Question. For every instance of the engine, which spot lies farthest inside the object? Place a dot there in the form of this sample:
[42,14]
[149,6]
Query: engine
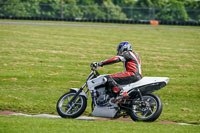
[105,105]
[102,97]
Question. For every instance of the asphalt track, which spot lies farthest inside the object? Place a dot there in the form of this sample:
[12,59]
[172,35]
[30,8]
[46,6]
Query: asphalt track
[100,25]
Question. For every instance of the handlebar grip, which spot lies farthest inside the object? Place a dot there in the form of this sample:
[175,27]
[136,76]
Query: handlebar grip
[94,65]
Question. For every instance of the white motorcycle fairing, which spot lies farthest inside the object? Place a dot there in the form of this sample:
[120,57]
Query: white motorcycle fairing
[81,94]
[147,84]
[100,80]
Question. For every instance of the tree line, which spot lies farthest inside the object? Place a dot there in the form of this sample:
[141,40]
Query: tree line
[164,10]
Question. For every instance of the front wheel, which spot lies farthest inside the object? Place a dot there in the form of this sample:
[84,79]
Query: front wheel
[73,110]
[148,111]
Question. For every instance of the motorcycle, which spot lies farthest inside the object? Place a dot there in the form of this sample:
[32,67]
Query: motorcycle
[141,105]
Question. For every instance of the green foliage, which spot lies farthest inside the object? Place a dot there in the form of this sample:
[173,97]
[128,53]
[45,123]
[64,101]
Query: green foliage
[170,10]
[19,10]
[49,10]
[150,3]
[72,11]
[86,2]
[191,4]
[173,11]
[113,11]
[124,3]
[93,12]
[193,14]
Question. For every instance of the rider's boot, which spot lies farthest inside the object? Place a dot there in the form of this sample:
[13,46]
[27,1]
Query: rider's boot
[121,94]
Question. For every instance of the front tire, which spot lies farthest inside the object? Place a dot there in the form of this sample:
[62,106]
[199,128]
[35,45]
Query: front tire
[148,113]
[74,110]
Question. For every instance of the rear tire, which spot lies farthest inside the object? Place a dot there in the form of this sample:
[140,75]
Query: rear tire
[75,109]
[148,113]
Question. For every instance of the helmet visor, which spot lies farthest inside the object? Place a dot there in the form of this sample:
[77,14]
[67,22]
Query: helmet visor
[118,49]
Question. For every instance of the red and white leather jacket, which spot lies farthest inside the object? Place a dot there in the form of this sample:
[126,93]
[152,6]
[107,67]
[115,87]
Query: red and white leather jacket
[130,60]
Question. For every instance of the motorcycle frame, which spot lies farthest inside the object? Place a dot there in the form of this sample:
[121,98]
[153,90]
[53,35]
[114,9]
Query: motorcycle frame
[79,91]
[162,81]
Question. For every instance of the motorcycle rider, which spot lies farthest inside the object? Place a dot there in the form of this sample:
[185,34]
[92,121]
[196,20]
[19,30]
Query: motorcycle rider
[132,66]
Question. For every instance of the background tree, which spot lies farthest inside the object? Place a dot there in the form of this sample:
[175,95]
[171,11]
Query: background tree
[193,9]
[19,8]
[173,10]
[113,11]
[165,10]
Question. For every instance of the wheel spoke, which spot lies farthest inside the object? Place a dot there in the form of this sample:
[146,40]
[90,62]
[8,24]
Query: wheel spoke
[149,99]
[145,114]
[78,103]
[69,109]
[66,106]
[151,110]
[68,99]
[75,106]
[137,111]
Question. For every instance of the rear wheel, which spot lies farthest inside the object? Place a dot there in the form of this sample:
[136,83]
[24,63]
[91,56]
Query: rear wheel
[148,111]
[73,110]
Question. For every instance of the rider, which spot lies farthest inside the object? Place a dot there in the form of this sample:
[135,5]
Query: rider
[132,66]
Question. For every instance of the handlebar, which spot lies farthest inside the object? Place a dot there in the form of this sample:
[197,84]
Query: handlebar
[94,66]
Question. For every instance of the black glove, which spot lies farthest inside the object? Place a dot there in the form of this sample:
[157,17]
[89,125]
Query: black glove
[100,64]
[94,65]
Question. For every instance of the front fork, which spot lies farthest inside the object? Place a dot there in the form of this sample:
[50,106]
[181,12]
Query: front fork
[93,95]
[77,93]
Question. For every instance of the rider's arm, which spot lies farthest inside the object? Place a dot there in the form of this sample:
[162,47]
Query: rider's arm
[111,60]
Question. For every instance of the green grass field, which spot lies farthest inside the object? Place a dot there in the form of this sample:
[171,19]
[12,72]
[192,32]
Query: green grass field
[19,124]
[39,63]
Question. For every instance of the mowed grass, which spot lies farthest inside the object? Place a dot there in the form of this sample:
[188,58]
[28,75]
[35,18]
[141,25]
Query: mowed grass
[39,63]
[20,124]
